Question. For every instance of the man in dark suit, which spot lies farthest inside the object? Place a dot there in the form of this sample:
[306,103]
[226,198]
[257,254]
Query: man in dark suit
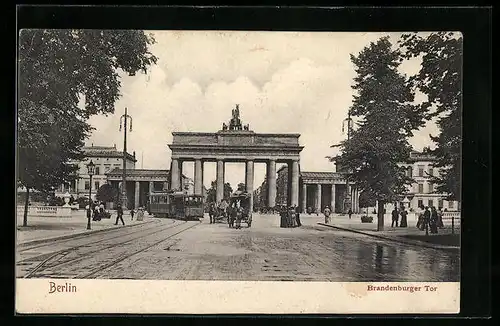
[119,216]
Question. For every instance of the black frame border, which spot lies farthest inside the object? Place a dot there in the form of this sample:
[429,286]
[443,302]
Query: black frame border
[474,22]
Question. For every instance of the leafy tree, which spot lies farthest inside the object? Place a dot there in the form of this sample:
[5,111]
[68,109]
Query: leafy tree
[386,118]
[367,199]
[241,186]
[440,78]
[56,67]
[212,192]
[107,193]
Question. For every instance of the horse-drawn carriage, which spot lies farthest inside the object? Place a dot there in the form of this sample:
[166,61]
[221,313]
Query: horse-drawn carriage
[239,209]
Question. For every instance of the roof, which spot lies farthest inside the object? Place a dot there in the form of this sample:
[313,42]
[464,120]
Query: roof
[105,151]
[239,193]
[139,172]
[320,175]
[421,156]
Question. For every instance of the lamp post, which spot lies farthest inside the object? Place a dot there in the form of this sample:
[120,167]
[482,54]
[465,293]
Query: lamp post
[347,203]
[125,117]
[91,171]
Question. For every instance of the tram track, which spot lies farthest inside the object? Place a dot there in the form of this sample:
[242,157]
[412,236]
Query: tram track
[45,259]
[26,247]
[83,245]
[58,259]
[108,265]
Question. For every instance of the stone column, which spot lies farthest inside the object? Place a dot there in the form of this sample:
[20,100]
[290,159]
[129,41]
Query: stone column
[181,177]
[353,199]
[198,183]
[318,197]
[151,188]
[220,181]
[304,197]
[294,198]
[357,201]
[271,183]
[202,176]
[249,182]
[174,175]
[137,194]
[332,199]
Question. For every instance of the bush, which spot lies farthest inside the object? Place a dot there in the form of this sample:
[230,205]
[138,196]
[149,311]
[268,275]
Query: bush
[82,202]
[366,219]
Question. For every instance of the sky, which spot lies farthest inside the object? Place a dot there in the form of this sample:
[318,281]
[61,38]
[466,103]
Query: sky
[284,82]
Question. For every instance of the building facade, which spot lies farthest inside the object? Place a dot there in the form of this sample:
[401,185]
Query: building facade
[422,192]
[318,190]
[105,159]
[321,189]
[141,182]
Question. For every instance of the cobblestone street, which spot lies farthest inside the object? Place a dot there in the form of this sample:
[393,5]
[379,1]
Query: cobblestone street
[167,249]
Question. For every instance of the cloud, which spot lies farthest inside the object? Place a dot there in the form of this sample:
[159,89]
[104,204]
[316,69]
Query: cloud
[284,82]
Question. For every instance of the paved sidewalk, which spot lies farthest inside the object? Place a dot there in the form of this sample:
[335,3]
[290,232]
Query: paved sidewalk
[409,235]
[42,229]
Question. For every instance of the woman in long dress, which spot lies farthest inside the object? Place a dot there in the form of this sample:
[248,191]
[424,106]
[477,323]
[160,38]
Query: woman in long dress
[291,217]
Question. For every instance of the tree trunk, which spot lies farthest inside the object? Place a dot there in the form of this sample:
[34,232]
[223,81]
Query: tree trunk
[25,217]
[380,216]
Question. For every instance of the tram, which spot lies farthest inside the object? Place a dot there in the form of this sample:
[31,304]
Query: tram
[159,204]
[186,207]
[176,205]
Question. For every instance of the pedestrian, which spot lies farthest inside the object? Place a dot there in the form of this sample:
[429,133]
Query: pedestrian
[96,213]
[211,212]
[297,215]
[283,214]
[420,218]
[404,218]
[292,217]
[119,216]
[440,218]
[132,212]
[349,213]
[239,213]
[327,213]
[395,217]
[427,217]
[433,223]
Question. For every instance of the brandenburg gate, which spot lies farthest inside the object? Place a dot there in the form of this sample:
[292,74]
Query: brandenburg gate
[237,143]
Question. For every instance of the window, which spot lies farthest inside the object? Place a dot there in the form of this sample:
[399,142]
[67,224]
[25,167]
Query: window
[420,170]
[97,170]
[431,171]
[431,187]
[420,203]
[431,203]
[420,188]
[409,172]
[450,204]
[96,185]
[107,168]
[440,203]
[87,185]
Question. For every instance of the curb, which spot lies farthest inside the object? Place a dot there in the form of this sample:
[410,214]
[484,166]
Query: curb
[68,236]
[395,239]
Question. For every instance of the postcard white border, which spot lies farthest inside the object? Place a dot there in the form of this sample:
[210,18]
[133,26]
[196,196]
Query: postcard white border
[233,297]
